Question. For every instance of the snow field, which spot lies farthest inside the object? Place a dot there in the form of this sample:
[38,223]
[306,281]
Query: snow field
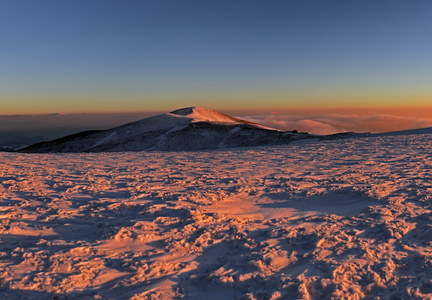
[336,219]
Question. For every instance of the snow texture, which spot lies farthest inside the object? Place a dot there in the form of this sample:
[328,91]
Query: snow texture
[333,219]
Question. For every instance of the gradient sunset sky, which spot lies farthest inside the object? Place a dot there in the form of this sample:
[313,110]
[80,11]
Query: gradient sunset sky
[124,56]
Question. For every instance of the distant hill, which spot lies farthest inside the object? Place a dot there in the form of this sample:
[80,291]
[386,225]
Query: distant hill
[427,130]
[191,128]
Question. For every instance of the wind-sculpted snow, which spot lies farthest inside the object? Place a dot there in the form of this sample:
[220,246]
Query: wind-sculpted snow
[341,219]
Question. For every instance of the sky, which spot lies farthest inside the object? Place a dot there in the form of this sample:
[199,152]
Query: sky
[88,56]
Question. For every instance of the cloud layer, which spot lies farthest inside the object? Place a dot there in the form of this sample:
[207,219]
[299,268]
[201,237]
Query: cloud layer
[334,123]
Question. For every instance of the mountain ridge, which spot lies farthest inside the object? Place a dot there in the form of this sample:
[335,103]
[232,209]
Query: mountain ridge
[190,128]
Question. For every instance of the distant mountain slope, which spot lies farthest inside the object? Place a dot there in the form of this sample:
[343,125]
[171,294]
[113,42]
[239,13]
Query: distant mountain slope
[191,128]
[427,130]
[346,135]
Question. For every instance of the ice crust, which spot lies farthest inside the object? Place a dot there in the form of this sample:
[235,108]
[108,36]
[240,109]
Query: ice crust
[341,219]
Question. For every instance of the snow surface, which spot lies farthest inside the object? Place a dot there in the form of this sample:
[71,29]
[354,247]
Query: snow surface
[342,219]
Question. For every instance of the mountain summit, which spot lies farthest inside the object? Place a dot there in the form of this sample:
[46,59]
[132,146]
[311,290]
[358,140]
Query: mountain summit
[199,114]
[203,114]
[190,128]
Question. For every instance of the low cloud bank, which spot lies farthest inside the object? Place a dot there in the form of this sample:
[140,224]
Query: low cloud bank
[335,123]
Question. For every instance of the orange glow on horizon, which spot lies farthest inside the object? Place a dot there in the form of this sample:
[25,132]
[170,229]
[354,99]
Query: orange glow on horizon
[416,104]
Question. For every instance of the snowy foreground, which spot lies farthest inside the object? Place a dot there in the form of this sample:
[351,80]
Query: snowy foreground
[322,219]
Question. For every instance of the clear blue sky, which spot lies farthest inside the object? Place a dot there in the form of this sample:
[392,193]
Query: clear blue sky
[88,55]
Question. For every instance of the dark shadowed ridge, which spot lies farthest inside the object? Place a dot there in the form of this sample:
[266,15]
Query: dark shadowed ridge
[191,128]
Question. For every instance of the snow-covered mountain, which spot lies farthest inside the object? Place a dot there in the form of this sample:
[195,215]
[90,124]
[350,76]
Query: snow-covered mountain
[426,130]
[191,128]
[347,135]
